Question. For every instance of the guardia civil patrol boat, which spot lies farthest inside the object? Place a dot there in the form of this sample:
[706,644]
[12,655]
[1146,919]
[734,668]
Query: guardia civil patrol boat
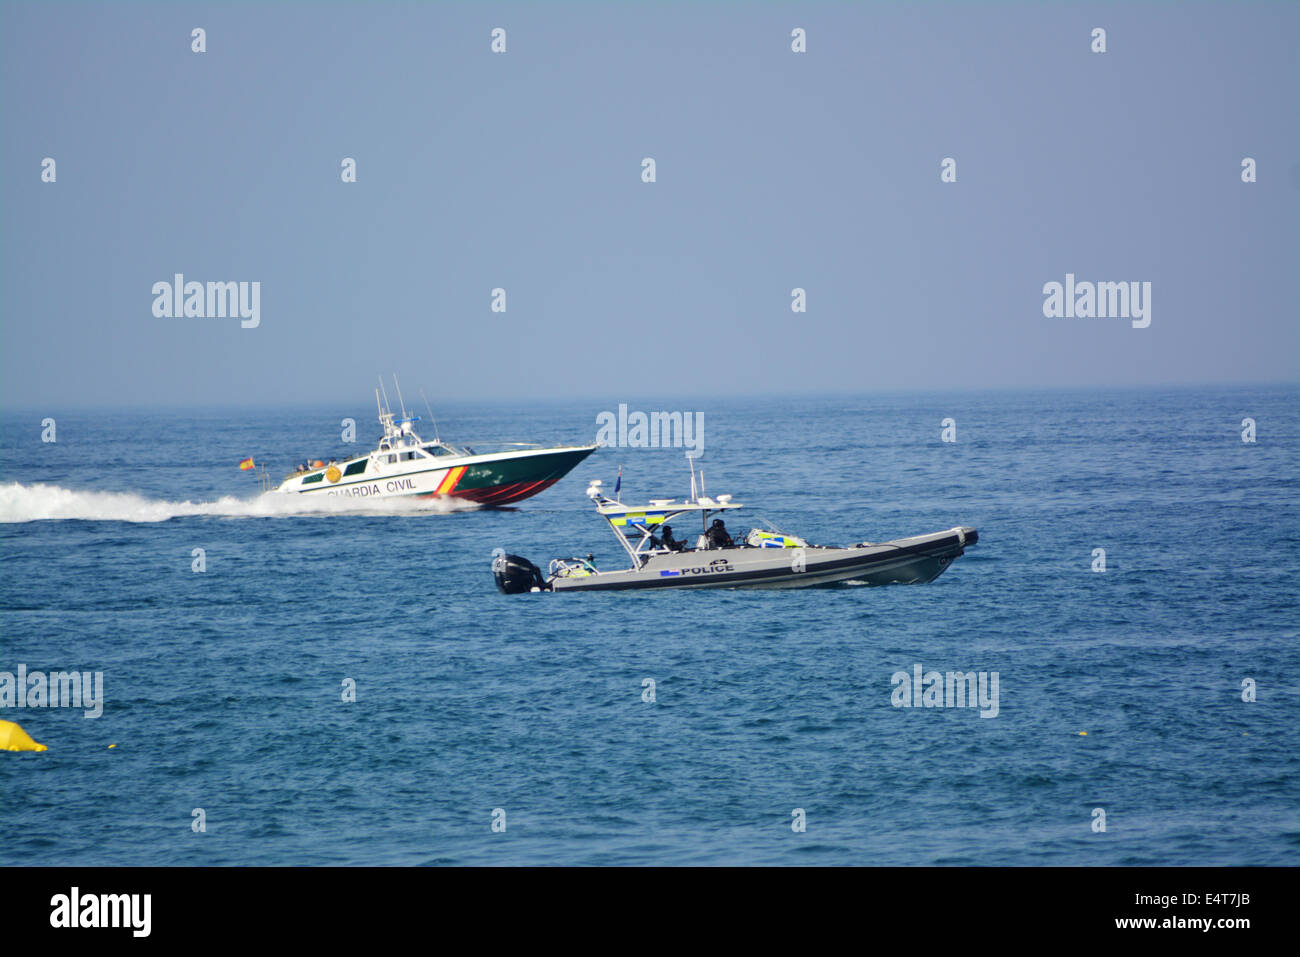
[404,464]
[759,559]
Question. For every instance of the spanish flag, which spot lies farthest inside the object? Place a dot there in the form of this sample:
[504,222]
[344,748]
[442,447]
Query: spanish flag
[245,465]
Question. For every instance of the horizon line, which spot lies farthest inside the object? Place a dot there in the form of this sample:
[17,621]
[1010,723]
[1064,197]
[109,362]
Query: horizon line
[640,395]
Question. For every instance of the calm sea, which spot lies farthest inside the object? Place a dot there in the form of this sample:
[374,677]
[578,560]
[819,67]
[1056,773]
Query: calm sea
[223,688]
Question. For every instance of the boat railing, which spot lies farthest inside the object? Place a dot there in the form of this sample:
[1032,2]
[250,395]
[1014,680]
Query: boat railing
[499,446]
[574,567]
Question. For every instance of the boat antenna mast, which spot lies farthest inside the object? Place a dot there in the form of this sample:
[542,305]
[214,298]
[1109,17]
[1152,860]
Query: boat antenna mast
[385,411]
[695,497]
[400,400]
[436,437]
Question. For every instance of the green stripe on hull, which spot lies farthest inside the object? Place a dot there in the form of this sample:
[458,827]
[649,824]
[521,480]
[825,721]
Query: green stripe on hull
[511,471]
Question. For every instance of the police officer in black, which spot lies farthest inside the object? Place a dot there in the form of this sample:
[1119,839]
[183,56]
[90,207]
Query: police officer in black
[670,543]
[717,536]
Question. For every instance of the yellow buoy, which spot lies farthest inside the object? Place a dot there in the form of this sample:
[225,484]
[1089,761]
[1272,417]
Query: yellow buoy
[14,738]
[333,473]
[1084,733]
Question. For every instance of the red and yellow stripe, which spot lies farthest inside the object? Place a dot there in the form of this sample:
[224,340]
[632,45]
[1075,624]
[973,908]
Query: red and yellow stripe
[448,483]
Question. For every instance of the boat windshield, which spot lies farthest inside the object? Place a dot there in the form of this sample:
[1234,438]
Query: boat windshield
[442,448]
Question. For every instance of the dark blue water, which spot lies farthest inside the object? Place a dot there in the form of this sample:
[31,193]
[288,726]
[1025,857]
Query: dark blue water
[223,688]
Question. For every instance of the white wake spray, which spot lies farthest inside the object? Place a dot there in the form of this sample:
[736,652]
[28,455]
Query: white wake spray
[40,502]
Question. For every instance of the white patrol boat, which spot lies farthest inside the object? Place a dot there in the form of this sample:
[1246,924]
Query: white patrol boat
[762,559]
[405,464]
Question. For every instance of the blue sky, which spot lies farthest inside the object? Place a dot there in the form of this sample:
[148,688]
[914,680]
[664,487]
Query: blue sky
[522,171]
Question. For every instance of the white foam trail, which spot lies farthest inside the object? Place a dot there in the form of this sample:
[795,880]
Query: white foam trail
[40,502]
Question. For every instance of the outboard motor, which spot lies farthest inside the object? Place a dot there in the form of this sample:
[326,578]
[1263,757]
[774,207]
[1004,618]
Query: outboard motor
[515,575]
